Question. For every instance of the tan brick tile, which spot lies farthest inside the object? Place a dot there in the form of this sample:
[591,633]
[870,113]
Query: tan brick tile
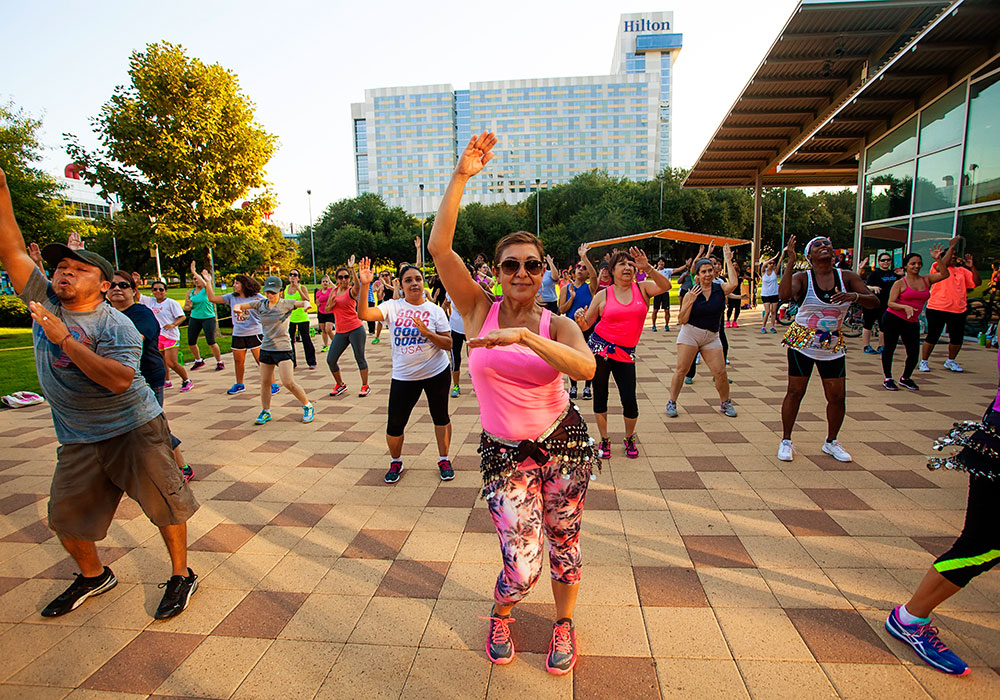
[688,633]
[681,679]
[216,668]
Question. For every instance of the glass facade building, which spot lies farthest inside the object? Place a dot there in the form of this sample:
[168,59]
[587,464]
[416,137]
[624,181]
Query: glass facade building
[550,129]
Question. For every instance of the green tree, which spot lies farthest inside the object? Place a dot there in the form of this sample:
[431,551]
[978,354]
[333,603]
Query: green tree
[179,145]
[362,226]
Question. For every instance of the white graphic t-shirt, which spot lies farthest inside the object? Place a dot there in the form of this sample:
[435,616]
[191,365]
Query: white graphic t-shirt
[413,356]
[166,311]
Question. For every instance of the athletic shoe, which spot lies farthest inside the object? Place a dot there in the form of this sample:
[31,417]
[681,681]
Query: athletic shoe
[953,366]
[78,591]
[869,350]
[879,349]
[605,448]
[365,390]
[587,393]
[187,385]
[908,383]
[264,417]
[198,364]
[688,381]
[168,385]
[187,472]
[312,367]
[338,390]
[923,366]
[672,409]
[727,362]
[666,329]
[727,408]
[837,451]
[735,324]
[654,329]
[499,647]
[177,596]
[562,648]
[236,389]
[395,469]
[773,329]
[275,389]
[697,359]
[631,451]
[923,639]
[763,330]
[785,451]
[324,348]
[308,413]
[572,392]
[219,366]
[375,341]
[447,473]
[456,391]
[889,384]
[729,324]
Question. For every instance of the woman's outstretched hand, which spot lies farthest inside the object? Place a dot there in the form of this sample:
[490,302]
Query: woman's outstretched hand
[476,155]
[498,337]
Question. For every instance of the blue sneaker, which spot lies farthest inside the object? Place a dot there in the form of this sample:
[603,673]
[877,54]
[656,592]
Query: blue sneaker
[869,350]
[264,417]
[275,389]
[924,640]
[236,389]
[308,413]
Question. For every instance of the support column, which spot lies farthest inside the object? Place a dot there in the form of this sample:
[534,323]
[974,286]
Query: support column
[758,215]
[859,205]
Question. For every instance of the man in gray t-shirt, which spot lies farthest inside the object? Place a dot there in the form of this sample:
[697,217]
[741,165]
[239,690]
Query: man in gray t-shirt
[112,433]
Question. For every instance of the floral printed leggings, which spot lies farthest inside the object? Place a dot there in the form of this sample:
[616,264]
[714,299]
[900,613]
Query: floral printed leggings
[527,502]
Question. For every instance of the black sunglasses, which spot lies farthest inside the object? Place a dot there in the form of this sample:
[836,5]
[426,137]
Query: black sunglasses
[159,289]
[343,277]
[122,285]
[532,266]
[293,274]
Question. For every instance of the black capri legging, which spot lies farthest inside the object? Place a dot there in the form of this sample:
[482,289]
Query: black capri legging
[895,329]
[976,549]
[403,396]
[197,325]
[733,307]
[457,340]
[936,322]
[356,339]
[625,379]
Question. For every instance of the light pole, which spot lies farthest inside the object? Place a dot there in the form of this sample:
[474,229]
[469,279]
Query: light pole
[538,205]
[312,240]
[659,243]
[784,209]
[156,247]
[423,254]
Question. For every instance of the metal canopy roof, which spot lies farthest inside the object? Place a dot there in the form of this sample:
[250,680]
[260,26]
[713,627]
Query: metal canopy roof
[838,74]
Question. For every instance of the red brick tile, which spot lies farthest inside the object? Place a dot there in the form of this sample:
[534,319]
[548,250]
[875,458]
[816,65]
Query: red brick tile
[681,426]
[413,579]
[262,614]
[37,532]
[66,568]
[144,663]
[224,424]
[322,460]
[727,438]
[679,480]
[225,537]
[235,435]
[274,446]
[480,520]
[242,491]
[935,546]
[840,636]
[722,551]
[601,499]
[9,583]
[373,477]
[614,677]
[866,416]
[711,464]
[804,523]
[532,627]
[836,499]
[903,479]
[453,497]
[672,586]
[301,514]
[16,501]
[37,442]
[376,544]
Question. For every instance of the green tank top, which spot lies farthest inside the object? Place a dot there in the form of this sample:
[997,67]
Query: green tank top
[299,315]
[201,307]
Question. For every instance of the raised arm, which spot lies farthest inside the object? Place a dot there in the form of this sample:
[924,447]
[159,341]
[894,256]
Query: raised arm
[568,294]
[467,296]
[655,283]
[209,285]
[591,272]
[970,263]
[944,258]
[366,312]
[13,253]
[790,286]
[733,281]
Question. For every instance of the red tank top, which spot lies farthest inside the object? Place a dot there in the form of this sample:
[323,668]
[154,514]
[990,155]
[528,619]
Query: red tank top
[345,313]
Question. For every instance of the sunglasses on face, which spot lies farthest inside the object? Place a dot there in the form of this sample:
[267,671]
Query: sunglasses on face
[885,260]
[532,266]
[343,277]
[293,274]
[159,289]
[124,285]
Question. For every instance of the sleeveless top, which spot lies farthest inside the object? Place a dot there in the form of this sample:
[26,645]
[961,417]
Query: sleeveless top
[299,315]
[520,394]
[914,298]
[322,295]
[816,329]
[345,313]
[583,297]
[769,285]
[621,324]
[707,314]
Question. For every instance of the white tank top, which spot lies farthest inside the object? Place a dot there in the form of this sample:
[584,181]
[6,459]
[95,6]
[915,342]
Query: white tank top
[769,285]
[826,319]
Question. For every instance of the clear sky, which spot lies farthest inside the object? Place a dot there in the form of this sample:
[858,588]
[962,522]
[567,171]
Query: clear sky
[303,63]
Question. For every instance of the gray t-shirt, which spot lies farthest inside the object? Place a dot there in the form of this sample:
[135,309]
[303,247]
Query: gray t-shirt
[274,322]
[83,411]
[249,326]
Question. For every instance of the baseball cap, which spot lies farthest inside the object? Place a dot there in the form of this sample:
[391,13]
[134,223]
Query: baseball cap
[54,253]
[273,284]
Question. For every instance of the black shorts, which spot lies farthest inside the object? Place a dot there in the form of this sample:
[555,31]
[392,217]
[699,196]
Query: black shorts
[661,301]
[870,316]
[274,357]
[324,318]
[800,365]
[936,322]
[770,299]
[247,342]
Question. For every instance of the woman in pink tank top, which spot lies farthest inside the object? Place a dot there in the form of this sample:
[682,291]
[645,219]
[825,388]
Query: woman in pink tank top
[537,458]
[343,305]
[621,309]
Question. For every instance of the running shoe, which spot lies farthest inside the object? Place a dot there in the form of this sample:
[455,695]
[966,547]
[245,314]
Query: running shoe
[447,473]
[736,324]
[219,366]
[697,359]
[908,383]
[688,380]
[773,329]
[338,390]
[365,390]
[587,393]
[308,413]
[78,591]
[275,389]
[499,647]
[198,364]
[631,451]
[456,391]
[187,385]
[375,341]
[605,448]
[236,389]
[785,451]
[395,469]
[572,392]
[837,451]
[312,367]
[923,638]
[177,596]
[763,330]
[187,472]
[672,409]
[324,348]
[953,366]
[923,366]
[729,324]
[869,350]
[562,648]
[879,349]
[727,408]
[264,417]
[666,329]
[168,385]
[654,329]
[887,383]
[727,360]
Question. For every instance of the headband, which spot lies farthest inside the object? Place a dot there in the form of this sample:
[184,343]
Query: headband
[703,261]
[810,243]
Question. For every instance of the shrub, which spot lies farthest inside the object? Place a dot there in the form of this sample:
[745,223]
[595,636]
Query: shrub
[13,313]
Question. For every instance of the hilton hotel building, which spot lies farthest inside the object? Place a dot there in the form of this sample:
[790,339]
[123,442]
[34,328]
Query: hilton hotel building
[551,128]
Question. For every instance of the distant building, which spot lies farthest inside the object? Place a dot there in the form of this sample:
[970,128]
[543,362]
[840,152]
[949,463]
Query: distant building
[83,200]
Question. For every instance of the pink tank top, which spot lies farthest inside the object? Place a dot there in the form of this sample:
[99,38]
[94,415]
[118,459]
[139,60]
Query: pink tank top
[321,297]
[345,313]
[621,324]
[914,298]
[519,393]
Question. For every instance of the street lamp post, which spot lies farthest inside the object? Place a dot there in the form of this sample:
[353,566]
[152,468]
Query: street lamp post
[312,240]
[423,253]
[156,247]
[784,209]
[659,243]
[538,205]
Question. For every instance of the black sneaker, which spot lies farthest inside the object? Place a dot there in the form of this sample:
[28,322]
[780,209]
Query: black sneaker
[587,395]
[395,469]
[78,591]
[890,385]
[175,598]
[908,383]
[572,392]
[447,473]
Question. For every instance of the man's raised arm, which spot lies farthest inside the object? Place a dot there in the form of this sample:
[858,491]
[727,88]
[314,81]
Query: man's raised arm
[13,252]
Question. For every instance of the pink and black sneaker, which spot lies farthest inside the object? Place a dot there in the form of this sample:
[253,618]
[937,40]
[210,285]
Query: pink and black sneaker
[605,448]
[499,647]
[631,451]
[562,648]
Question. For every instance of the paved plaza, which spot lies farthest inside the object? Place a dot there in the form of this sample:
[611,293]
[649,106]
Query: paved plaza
[711,569]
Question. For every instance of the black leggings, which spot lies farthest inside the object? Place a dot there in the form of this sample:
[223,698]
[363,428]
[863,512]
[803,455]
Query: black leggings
[733,307]
[457,340]
[403,396]
[301,329]
[625,379]
[893,329]
[725,351]
[586,338]
[197,325]
[356,339]
[975,550]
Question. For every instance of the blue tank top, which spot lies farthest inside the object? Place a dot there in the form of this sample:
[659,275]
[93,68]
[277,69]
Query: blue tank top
[583,298]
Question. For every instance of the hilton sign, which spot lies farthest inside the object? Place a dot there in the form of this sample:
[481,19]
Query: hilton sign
[644,25]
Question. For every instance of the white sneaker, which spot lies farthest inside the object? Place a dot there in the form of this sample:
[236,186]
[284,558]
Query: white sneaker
[953,366]
[785,450]
[837,451]
[923,366]
[697,359]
